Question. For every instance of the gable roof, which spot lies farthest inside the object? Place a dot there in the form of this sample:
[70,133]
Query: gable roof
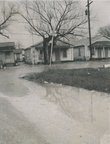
[85,42]
[37,45]
[59,44]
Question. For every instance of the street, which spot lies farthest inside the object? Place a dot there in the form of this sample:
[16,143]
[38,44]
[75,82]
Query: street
[51,114]
[14,126]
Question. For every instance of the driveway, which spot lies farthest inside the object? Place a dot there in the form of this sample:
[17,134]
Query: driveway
[50,114]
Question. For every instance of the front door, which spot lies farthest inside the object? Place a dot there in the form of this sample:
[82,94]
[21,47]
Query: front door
[99,53]
[8,57]
[57,55]
[18,57]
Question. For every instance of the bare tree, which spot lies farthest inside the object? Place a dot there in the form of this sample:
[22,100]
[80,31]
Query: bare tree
[48,18]
[7,11]
[105,31]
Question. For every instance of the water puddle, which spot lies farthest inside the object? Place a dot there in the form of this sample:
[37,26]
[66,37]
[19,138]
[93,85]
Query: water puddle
[90,108]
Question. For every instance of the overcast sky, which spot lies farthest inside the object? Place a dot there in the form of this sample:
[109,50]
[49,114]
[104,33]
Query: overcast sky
[100,9]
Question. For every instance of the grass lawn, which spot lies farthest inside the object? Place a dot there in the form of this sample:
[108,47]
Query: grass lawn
[87,78]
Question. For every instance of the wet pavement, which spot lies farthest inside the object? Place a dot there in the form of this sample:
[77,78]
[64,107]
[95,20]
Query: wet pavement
[51,114]
[15,127]
[10,84]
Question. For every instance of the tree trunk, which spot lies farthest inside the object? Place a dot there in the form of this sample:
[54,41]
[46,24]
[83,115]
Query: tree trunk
[46,51]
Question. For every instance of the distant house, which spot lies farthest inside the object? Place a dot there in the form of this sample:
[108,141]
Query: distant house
[34,54]
[100,48]
[18,55]
[7,55]
[62,52]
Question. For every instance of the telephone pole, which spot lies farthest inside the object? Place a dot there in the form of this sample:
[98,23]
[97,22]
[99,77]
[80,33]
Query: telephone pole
[87,12]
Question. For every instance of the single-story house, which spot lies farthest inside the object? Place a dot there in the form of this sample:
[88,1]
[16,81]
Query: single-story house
[7,55]
[62,52]
[18,55]
[100,48]
[34,55]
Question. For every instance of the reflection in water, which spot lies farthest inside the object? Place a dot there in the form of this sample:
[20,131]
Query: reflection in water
[70,100]
[87,107]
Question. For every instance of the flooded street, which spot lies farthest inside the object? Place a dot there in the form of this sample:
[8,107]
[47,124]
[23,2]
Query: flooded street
[50,114]
[10,84]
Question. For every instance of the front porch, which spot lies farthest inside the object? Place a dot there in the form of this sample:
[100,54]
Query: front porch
[101,50]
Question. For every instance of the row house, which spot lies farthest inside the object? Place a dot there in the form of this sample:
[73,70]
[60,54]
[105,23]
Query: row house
[63,51]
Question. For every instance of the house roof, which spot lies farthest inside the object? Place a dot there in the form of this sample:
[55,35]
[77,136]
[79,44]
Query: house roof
[98,38]
[59,44]
[101,44]
[37,45]
[18,51]
[7,46]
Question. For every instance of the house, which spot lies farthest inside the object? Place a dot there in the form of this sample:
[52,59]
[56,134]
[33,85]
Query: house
[34,54]
[100,48]
[18,55]
[62,52]
[7,55]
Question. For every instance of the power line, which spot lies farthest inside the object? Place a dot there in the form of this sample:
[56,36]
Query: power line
[19,33]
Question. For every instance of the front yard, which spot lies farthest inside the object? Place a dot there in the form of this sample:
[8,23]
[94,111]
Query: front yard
[87,78]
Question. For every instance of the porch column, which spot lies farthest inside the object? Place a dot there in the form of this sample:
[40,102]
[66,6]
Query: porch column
[94,51]
[103,52]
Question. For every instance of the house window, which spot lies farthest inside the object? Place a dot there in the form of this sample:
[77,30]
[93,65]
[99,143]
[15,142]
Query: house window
[7,53]
[40,51]
[79,51]
[93,51]
[64,53]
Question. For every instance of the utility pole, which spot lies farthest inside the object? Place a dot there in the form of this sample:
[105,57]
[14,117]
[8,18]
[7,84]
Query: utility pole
[87,12]
[54,34]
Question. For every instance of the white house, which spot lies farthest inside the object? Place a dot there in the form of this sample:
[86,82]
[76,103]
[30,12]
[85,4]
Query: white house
[62,52]
[34,55]
[7,55]
[100,48]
